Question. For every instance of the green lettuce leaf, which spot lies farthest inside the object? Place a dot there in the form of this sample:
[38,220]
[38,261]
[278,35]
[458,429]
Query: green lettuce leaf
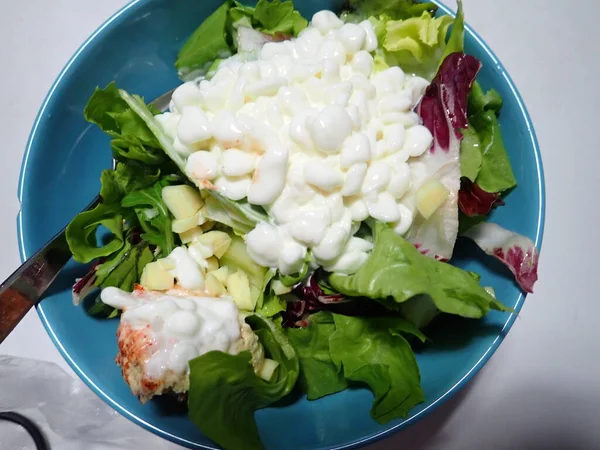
[153,215]
[496,174]
[479,101]
[124,268]
[396,272]
[81,232]
[131,137]
[208,43]
[225,392]
[213,39]
[336,350]
[126,178]
[375,352]
[483,145]
[319,376]
[395,9]
[418,44]
[275,16]
[470,154]
[241,216]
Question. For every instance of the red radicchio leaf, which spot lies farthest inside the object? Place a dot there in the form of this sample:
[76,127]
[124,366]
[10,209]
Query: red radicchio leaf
[517,252]
[444,104]
[474,201]
[83,286]
[444,113]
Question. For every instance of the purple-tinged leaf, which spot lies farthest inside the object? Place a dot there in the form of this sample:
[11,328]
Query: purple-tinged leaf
[444,113]
[517,252]
[474,201]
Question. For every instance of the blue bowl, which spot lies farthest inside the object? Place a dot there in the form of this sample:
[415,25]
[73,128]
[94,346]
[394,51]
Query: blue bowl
[60,175]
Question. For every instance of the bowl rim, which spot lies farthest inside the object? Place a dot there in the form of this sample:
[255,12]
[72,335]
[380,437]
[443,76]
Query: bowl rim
[132,5]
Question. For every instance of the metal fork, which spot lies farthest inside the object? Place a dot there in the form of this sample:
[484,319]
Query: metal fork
[26,286]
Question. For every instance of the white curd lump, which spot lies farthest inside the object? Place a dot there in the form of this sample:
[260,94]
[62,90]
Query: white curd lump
[311,133]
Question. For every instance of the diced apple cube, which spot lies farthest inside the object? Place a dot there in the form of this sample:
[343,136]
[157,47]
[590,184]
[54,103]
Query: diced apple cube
[156,278]
[166,263]
[189,235]
[267,369]
[238,286]
[182,200]
[430,197]
[219,241]
[208,225]
[212,264]
[183,225]
[214,287]
[222,273]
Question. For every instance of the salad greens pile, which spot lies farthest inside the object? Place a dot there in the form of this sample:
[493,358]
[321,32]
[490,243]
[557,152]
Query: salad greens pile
[326,331]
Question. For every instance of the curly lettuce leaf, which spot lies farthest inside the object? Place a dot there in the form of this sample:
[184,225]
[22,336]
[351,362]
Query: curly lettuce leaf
[215,38]
[336,351]
[375,352]
[153,215]
[81,232]
[470,154]
[275,16]
[208,43]
[225,392]
[131,137]
[420,44]
[359,10]
[319,375]
[496,174]
[396,272]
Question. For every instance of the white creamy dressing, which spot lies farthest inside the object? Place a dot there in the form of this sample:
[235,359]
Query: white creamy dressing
[179,326]
[312,134]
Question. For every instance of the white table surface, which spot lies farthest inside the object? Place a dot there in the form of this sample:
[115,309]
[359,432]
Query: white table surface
[540,389]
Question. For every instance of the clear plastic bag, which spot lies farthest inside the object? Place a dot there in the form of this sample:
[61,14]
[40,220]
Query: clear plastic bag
[70,415]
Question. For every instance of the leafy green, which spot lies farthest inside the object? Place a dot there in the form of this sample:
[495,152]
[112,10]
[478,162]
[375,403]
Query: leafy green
[207,43]
[241,216]
[81,232]
[456,40]
[337,350]
[295,278]
[480,101]
[153,215]
[270,303]
[124,268]
[319,375]
[470,154]
[225,392]
[396,272]
[273,16]
[418,44]
[213,39]
[484,159]
[127,177]
[496,174]
[374,351]
[131,137]
[394,9]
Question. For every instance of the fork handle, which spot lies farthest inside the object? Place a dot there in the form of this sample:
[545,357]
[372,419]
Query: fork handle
[27,284]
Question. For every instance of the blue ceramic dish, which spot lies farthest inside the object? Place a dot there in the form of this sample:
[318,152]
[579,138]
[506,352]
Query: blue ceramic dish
[60,175]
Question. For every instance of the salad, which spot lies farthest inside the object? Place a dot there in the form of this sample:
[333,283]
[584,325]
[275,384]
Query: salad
[288,221]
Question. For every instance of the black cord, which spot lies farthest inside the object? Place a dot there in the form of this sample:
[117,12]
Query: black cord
[34,431]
